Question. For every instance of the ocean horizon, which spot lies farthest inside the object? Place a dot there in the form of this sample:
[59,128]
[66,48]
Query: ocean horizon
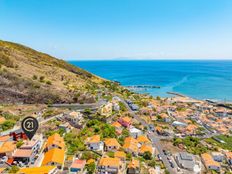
[200,79]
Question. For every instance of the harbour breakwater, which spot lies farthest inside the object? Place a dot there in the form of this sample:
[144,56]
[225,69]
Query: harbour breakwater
[141,86]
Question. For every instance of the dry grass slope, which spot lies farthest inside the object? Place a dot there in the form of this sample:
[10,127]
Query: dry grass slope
[29,76]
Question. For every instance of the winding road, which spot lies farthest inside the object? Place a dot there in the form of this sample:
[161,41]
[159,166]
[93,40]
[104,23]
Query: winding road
[155,139]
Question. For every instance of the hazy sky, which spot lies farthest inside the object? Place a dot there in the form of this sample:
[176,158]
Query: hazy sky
[88,29]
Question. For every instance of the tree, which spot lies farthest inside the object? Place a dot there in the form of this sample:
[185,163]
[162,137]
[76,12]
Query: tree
[128,156]
[13,169]
[110,154]
[92,123]
[74,143]
[90,168]
[87,111]
[147,155]
[122,106]
[88,155]
[108,131]
[19,143]
[152,163]
[177,141]
[125,133]
[8,124]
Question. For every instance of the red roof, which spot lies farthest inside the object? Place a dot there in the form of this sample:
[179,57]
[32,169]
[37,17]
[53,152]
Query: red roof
[10,161]
[78,164]
[23,153]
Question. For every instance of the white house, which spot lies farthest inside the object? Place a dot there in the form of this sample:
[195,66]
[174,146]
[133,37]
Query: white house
[106,110]
[75,118]
[109,165]
[94,143]
[134,132]
[209,162]
[34,144]
[218,156]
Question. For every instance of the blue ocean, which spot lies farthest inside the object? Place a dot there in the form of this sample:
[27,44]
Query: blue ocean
[198,79]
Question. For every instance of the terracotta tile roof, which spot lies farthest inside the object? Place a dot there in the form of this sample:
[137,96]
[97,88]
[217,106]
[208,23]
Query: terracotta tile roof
[131,144]
[54,155]
[208,160]
[133,164]
[8,146]
[57,140]
[2,119]
[2,170]
[191,127]
[78,164]
[229,155]
[116,124]
[163,115]
[146,148]
[222,130]
[120,154]
[93,139]
[143,139]
[220,110]
[158,128]
[74,114]
[130,139]
[126,119]
[111,142]
[112,162]
[36,170]
[4,138]
[22,153]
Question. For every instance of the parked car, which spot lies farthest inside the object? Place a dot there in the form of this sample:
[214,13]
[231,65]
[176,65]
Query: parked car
[171,164]
[165,152]
[151,127]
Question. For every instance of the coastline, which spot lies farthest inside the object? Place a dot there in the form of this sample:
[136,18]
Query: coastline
[215,102]
[175,76]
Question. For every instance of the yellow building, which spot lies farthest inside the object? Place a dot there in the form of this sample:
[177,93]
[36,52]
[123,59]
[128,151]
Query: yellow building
[38,170]
[54,157]
[55,141]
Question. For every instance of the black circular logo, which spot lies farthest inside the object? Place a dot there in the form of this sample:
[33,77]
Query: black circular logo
[30,126]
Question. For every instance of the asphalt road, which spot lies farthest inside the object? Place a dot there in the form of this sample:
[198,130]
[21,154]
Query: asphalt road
[18,128]
[155,140]
[78,106]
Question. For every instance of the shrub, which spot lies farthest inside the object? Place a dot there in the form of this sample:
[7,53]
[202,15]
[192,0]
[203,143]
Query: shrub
[147,155]
[5,60]
[8,124]
[34,77]
[14,169]
[41,79]
[152,163]
[128,156]
[48,82]
[19,143]
[90,168]
[110,154]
